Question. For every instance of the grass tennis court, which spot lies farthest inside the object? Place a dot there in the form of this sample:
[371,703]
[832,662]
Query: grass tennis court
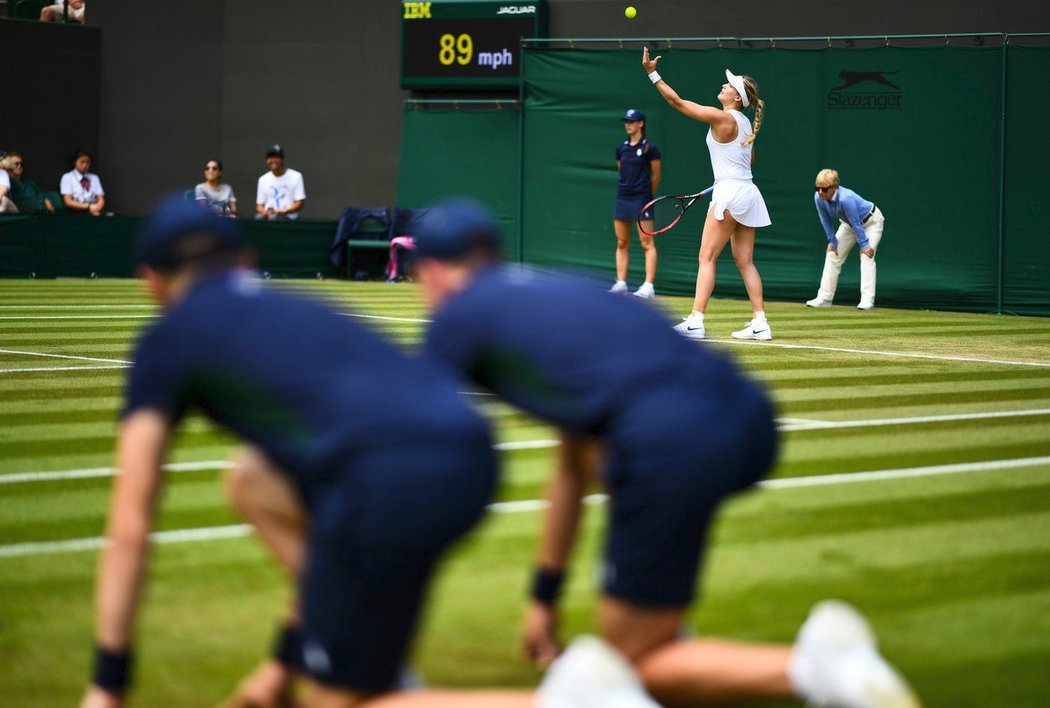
[948,555]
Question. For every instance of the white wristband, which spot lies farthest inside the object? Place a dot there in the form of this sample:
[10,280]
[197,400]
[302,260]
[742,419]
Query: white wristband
[654,77]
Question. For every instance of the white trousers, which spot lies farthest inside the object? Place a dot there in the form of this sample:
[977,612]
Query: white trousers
[847,238]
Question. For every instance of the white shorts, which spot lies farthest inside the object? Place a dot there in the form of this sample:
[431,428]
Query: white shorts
[741,198]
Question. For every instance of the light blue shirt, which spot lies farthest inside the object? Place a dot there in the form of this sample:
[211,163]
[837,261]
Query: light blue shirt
[848,207]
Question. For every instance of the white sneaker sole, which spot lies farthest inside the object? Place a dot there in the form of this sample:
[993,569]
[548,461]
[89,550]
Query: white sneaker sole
[823,303]
[763,336]
[644,296]
[697,334]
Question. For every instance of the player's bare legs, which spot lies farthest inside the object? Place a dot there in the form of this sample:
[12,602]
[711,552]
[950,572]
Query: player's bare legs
[743,245]
[267,500]
[326,697]
[651,257]
[623,248]
[690,671]
[715,237]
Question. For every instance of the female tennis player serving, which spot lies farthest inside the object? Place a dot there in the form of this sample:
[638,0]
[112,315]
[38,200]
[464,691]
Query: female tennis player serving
[737,207]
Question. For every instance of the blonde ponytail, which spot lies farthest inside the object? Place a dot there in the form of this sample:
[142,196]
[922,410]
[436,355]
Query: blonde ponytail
[751,86]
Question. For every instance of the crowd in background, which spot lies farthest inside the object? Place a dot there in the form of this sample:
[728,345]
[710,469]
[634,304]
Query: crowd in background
[280,192]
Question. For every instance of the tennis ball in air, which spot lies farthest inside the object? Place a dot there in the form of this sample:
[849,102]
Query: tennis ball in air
[630,12]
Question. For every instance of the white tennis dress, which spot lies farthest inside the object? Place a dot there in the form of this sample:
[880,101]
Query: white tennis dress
[735,190]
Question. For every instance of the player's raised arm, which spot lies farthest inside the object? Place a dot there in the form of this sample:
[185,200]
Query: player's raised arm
[140,450]
[696,111]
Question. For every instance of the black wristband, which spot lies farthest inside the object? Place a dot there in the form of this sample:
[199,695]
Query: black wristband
[288,648]
[112,670]
[546,584]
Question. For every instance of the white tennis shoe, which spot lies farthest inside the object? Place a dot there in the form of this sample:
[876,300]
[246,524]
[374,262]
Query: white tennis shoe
[591,674]
[691,327]
[835,662]
[645,291]
[866,305]
[619,286]
[755,329]
[818,301]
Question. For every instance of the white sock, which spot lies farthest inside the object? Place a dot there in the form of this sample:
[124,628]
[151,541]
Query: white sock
[648,282]
[697,315]
[760,316]
[621,282]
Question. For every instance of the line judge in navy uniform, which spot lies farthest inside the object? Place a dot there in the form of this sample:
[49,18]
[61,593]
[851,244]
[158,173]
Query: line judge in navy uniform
[638,164]
[363,465]
[677,429]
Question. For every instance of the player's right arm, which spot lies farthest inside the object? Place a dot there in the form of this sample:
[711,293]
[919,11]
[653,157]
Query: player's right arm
[140,450]
[577,462]
[718,119]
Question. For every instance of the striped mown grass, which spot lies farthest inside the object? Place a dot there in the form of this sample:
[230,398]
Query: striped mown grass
[952,568]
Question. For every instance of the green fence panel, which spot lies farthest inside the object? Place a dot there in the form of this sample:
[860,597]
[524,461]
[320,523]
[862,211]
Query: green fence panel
[916,132]
[83,247]
[1026,248]
[468,151]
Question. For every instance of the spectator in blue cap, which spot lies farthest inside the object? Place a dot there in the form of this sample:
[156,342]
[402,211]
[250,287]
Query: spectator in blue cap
[638,166]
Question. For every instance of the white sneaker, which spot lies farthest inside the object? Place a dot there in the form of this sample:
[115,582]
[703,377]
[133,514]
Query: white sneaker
[755,329]
[866,305]
[691,327]
[835,662]
[646,291]
[619,286]
[591,674]
[818,301]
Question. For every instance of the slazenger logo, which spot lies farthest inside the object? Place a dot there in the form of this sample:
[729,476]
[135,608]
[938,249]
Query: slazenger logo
[517,10]
[856,91]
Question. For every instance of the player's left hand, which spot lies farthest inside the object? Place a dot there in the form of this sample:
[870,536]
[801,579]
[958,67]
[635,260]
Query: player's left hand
[269,685]
[649,64]
[869,252]
[539,634]
[95,697]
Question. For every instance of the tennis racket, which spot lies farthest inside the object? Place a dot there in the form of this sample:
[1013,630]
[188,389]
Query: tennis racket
[663,213]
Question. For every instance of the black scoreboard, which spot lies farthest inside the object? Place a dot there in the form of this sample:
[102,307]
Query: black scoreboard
[466,44]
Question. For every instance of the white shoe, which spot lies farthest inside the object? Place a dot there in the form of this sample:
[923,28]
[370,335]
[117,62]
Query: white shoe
[646,291]
[619,286]
[755,329]
[866,305]
[591,674]
[818,301]
[691,328]
[835,662]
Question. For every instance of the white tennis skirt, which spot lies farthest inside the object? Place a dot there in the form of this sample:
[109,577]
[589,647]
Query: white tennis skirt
[741,198]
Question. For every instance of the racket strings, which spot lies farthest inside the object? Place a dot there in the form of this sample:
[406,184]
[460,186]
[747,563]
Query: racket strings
[665,212]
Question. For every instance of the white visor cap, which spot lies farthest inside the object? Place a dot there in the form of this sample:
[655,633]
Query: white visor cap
[738,83]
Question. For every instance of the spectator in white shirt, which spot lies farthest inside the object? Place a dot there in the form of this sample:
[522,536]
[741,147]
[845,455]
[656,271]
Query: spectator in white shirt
[6,205]
[82,190]
[57,12]
[280,194]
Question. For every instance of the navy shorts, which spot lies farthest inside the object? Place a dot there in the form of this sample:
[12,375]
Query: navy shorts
[376,534]
[628,206]
[675,455]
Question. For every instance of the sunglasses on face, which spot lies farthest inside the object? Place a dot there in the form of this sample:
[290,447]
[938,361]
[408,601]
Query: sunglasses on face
[209,168]
[16,164]
[824,189]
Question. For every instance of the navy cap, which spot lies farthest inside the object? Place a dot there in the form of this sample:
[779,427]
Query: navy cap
[454,228]
[180,230]
[275,150]
[633,114]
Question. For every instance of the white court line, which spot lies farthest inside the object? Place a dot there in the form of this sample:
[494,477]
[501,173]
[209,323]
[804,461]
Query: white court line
[526,505]
[381,317]
[65,356]
[874,352]
[21,477]
[62,368]
[78,317]
[831,425]
[78,307]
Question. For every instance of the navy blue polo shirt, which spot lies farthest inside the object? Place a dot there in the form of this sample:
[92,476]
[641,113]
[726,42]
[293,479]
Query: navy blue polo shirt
[303,383]
[635,170]
[568,351]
